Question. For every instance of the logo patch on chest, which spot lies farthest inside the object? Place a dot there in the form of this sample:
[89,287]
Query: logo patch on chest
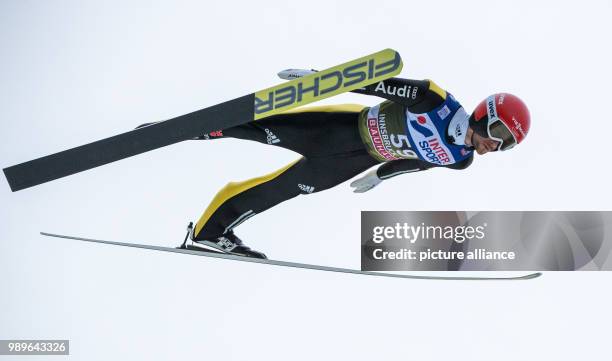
[444,112]
[420,126]
[427,140]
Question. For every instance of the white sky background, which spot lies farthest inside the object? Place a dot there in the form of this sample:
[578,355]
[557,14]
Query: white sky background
[74,72]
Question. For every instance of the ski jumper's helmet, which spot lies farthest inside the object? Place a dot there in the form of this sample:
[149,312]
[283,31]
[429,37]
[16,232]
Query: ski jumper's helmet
[502,117]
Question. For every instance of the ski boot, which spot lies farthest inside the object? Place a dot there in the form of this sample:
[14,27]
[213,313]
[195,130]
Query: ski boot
[227,243]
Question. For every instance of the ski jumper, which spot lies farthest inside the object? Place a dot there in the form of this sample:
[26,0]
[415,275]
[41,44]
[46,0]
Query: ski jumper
[419,127]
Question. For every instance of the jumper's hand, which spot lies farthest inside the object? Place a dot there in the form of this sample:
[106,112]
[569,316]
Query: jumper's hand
[367,182]
[289,74]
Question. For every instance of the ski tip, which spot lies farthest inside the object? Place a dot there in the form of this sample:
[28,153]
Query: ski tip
[532,276]
[390,51]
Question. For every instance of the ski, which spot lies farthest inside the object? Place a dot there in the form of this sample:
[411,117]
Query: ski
[293,264]
[264,103]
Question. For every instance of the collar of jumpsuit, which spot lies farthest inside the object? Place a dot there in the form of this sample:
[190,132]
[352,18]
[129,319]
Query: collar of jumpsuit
[458,126]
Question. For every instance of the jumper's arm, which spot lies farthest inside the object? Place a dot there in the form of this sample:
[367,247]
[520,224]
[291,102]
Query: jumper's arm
[396,167]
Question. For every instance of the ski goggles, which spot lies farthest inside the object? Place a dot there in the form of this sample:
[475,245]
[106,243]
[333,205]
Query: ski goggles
[499,132]
[497,129]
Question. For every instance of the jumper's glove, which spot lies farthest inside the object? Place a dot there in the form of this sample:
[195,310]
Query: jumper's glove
[367,182]
[289,74]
